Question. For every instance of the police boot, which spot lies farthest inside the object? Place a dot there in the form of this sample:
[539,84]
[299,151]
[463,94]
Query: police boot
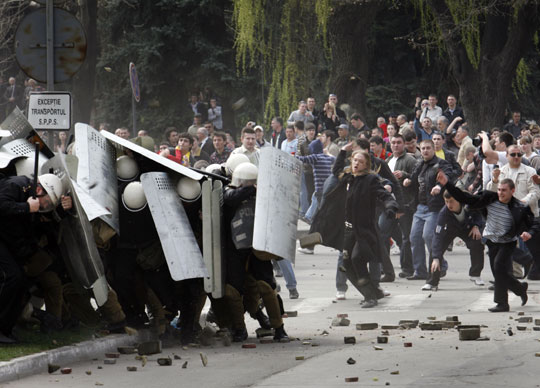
[280,335]
[113,314]
[271,303]
[236,310]
[260,316]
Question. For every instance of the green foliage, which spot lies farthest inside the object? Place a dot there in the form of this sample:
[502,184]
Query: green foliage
[464,13]
[282,38]
[520,82]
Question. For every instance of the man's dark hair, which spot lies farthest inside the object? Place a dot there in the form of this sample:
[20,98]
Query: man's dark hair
[432,95]
[197,115]
[439,133]
[447,194]
[357,116]
[509,182]
[247,130]
[207,122]
[362,143]
[309,126]
[399,136]
[168,132]
[185,135]
[221,134]
[506,138]
[451,95]
[279,120]
[331,134]
[299,125]
[376,139]
[409,135]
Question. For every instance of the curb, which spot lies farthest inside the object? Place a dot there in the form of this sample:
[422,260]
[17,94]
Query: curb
[38,363]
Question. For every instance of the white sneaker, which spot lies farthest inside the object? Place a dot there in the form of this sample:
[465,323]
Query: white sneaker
[477,281]
[386,292]
[429,287]
[305,251]
[340,295]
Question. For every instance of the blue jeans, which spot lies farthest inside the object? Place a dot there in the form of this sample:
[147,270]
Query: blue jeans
[304,196]
[288,273]
[313,208]
[422,230]
[341,277]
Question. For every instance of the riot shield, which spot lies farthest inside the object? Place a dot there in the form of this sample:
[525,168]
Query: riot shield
[176,167]
[212,201]
[23,148]
[276,208]
[19,127]
[182,253]
[77,240]
[96,172]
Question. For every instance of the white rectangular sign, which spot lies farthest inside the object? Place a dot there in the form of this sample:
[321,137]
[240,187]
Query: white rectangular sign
[50,111]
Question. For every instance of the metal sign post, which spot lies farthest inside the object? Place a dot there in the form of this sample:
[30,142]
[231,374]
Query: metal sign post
[49,12]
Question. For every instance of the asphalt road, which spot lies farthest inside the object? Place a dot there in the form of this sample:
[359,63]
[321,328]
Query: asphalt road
[436,358]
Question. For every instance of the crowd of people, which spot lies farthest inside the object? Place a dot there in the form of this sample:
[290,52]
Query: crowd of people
[415,184]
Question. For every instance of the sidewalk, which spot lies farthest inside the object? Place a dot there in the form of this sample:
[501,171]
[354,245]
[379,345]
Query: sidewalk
[38,363]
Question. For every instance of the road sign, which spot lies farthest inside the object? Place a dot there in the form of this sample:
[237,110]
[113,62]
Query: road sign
[50,111]
[31,45]
[134,80]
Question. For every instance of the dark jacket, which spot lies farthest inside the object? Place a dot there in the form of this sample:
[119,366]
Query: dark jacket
[16,229]
[447,223]
[450,157]
[521,213]
[406,164]
[424,178]
[208,147]
[458,112]
[381,167]
[278,137]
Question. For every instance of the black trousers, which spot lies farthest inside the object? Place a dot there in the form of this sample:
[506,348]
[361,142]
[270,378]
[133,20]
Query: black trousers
[12,290]
[500,259]
[356,255]
[476,250]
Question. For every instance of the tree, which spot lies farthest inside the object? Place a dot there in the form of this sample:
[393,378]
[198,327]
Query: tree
[484,41]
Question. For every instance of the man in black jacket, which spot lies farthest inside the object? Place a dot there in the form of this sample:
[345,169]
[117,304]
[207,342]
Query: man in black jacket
[430,202]
[456,220]
[20,253]
[278,134]
[507,218]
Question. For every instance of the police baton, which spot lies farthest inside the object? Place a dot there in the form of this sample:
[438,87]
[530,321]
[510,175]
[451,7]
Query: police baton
[36,167]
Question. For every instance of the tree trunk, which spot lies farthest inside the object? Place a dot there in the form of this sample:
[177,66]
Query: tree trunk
[351,27]
[85,80]
[485,91]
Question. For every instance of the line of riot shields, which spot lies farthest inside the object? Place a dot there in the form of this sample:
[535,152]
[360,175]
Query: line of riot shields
[132,203]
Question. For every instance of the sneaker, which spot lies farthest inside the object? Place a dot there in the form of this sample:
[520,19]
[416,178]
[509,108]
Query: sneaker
[340,295]
[387,278]
[369,303]
[429,287]
[404,274]
[293,293]
[477,281]
[305,251]
[386,292]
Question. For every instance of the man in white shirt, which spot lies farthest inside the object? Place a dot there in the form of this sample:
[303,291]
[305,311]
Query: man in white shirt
[249,141]
[433,111]
[290,143]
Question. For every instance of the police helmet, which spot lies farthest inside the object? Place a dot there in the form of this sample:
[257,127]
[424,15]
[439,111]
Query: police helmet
[126,168]
[245,173]
[234,161]
[188,189]
[133,197]
[52,186]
